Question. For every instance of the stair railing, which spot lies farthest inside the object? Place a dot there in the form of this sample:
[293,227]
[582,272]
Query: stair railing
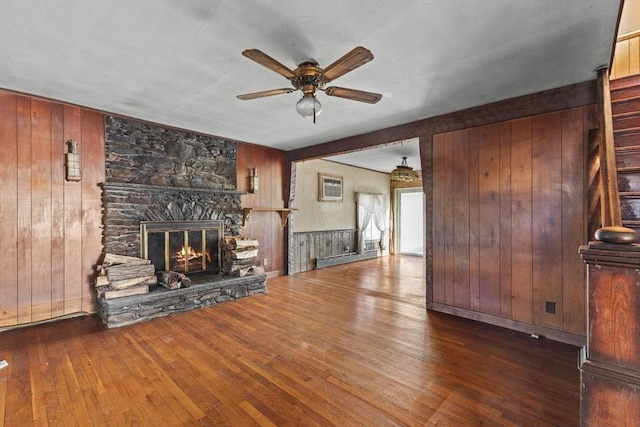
[610,198]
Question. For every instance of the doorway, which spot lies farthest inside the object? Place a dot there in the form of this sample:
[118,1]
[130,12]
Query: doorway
[409,221]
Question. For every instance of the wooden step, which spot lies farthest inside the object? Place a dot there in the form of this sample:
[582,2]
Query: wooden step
[625,87]
[628,173]
[629,194]
[626,120]
[627,149]
[630,207]
[628,161]
[626,137]
[625,105]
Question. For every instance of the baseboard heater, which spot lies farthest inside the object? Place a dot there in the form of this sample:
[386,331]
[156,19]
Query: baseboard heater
[328,261]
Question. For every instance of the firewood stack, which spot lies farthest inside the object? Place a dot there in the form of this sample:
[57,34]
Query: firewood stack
[121,276]
[240,257]
[173,280]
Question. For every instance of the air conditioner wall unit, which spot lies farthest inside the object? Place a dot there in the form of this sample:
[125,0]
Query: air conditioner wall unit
[329,188]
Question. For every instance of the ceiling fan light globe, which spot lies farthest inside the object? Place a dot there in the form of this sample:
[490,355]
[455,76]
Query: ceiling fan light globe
[305,106]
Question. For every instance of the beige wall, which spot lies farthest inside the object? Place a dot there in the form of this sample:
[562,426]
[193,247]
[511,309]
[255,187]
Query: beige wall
[630,19]
[313,215]
[626,60]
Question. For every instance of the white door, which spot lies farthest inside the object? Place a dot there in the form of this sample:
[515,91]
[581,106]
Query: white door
[409,221]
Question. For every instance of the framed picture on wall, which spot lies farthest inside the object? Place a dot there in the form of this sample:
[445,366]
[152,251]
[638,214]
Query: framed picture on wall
[329,188]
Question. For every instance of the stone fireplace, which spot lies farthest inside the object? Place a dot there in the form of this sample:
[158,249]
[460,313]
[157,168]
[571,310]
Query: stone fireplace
[170,196]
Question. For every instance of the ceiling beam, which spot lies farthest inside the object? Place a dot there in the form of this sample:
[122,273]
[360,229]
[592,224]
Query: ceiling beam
[561,98]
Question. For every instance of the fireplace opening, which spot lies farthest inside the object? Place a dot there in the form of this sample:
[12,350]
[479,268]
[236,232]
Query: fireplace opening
[188,247]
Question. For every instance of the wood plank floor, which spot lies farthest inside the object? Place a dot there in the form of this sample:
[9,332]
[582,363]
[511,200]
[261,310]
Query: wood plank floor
[347,346]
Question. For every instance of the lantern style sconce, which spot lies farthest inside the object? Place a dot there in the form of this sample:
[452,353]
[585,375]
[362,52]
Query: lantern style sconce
[254,181]
[72,162]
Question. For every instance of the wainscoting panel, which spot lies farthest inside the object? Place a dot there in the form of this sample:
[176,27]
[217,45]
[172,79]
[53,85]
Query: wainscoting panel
[307,246]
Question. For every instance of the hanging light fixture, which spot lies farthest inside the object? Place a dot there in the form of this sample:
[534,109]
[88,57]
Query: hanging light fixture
[404,172]
[308,105]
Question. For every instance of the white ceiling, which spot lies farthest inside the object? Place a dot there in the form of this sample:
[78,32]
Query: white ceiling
[179,62]
[383,158]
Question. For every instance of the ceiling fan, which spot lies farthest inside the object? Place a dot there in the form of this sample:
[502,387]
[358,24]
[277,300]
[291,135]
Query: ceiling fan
[309,77]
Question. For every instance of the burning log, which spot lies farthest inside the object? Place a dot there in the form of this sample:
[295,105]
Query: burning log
[121,276]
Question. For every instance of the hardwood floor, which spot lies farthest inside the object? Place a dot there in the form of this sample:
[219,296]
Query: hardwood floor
[348,346]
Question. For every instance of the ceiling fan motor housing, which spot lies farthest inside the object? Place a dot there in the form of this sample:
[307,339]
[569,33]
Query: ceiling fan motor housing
[308,77]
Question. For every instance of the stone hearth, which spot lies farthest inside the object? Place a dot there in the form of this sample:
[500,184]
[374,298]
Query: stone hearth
[204,291]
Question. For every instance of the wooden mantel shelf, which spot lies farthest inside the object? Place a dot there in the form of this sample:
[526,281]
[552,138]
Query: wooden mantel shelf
[284,213]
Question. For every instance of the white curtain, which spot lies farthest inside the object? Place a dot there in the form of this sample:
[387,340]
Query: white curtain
[373,211]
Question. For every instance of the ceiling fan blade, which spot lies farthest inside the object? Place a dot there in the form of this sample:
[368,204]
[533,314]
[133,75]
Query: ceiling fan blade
[264,93]
[356,95]
[267,61]
[349,62]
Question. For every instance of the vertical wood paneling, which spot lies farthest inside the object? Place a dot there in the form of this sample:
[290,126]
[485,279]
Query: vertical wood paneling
[634,56]
[626,61]
[448,218]
[41,217]
[57,210]
[505,220]
[52,227]
[521,216]
[573,208]
[93,172]
[73,272]
[8,210]
[546,167]
[474,224]
[620,66]
[460,144]
[438,219]
[264,226]
[518,216]
[309,245]
[24,242]
[489,218]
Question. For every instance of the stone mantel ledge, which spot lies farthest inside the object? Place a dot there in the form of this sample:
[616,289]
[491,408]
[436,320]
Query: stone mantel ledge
[128,186]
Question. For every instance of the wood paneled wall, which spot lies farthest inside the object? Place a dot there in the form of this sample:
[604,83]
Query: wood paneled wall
[50,228]
[509,212]
[264,226]
[626,59]
[309,245]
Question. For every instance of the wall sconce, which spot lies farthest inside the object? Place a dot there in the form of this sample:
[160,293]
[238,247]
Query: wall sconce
[72,162]
[254,181]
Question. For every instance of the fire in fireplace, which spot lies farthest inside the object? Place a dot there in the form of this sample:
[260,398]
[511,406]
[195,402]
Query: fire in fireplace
[186,247]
